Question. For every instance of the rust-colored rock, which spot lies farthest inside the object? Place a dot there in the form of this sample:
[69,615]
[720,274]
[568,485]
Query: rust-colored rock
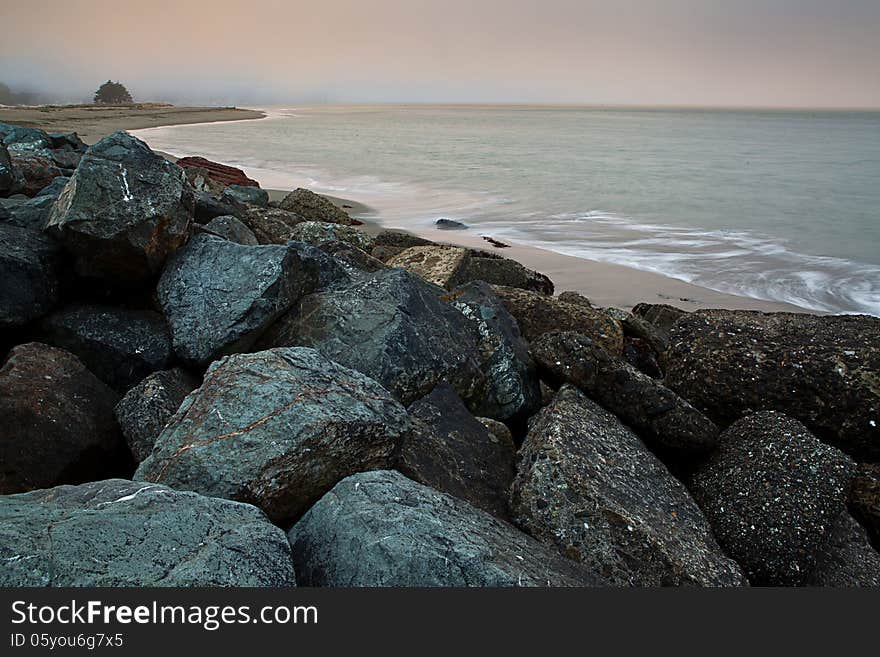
[222,173]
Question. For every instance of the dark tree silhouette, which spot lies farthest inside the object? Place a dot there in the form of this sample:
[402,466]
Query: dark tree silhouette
[112,93]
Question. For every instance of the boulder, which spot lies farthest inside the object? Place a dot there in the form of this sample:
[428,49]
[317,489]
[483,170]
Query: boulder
[661,418]
[220,173]
[821,370]
[393,327]
[32,214]
[29,270]
[55,187]
[864,499]
[440,265]
[230,228]
[318,233]
[846,559]
[10,180]
[31,158]
[68,141]
[351,255]
[450,451]
[123,212]
[270,225]
[450,224]
[492,268]
[218,296]
[574,298]
[587,484]
[388,243]
[660,317]
[207,208]
[122,533]
[312,207]
[276,429]
[772,493]
[382,529]
[247,194]
[118,345]
[145,410]
[58,425]
[513,390]
[538,314]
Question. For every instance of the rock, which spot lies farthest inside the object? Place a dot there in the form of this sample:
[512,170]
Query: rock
[450,451]
[270,225]
[201,181]
[642,356]
[494,269]
[58,425]
[846,559]
[389,243]
[823,371]
[10,180]
[29,269]
[68,141]
[864,499]
[276,429]
[587,484]
[440,265]
[230,228]
[55,187]
[660,417]
[123,212]
[207,208]
[393,327]
[32,213]
[145,410]
[574,298]
[223,174]
[249,195]
[538,314]
[31,158]
[119,346]
[318,233]
[450,224]
[772,493]
[382,529]
[513,391]
[351,255]
[312,207]
[662,317]
[218,296]
[497,429]
[122,533]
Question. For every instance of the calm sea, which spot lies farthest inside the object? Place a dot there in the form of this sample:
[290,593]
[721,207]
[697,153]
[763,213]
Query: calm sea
[777,205]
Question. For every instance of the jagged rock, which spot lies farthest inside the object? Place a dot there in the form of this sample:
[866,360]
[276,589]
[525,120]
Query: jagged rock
[660,417]
[574,298]
[10,180]
[513,391]
[660,316]
[218,296]
[270,225]
[864,499]
[587,484]
[642,356]
[389,243]
[312,207]
[276,429]
[440,265]
[497,429]
[123,533]
[318,233]
[230,228]
[123,212]
[450,224]
[58,425]
[249,195]
[55,187]
[846,559]
[538,314]
[393,327]
[450,451]
[494,269]
[29,270]
[31,158]
[382,529]
[145,410]
[118,345]
[68,141]
[32,213]
[207,208]
[772,493]
[823,371]
[351,255]
[221,173]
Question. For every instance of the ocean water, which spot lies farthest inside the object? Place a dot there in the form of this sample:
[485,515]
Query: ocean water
[775,205]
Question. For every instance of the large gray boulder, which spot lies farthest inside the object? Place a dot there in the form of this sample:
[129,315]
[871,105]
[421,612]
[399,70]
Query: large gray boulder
[393,327]
[123,212]
[57,421]
[29,270]
[218,296]
[312,207]
[318,233]
[230,228]
[276,429]
[451,451]
[772,493]
[123,533]
[659,416]
[493,269]
[118,345]
[382,529]
[823,371]
[31,159]
[146,409]
[587,484]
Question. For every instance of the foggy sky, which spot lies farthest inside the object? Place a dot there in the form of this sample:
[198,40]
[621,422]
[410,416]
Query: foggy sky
[815,53]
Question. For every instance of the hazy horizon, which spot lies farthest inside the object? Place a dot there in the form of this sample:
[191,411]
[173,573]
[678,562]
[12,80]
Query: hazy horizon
[775,54]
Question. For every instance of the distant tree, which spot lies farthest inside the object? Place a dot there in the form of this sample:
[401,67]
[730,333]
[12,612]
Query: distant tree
[112,93]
